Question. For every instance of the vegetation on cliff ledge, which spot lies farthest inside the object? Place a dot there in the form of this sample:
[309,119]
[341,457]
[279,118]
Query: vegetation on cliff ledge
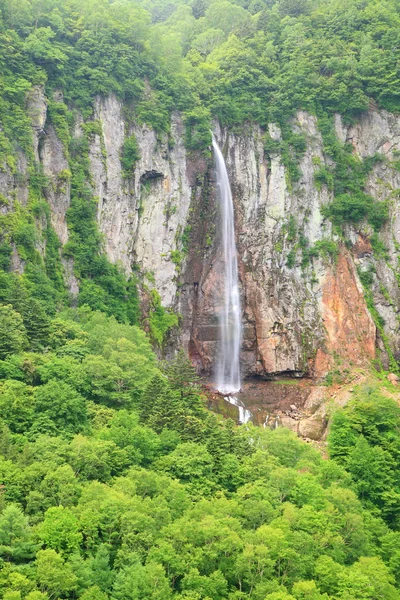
[233,60]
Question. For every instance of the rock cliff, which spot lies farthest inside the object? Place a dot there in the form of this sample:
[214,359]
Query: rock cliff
[298,319]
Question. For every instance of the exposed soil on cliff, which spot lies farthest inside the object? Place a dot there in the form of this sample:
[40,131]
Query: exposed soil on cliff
[298,404]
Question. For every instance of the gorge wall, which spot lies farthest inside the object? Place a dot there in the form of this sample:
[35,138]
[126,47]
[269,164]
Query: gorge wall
[300,317]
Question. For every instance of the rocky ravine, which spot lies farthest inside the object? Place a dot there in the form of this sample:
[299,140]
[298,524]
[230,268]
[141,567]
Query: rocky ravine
[296,321]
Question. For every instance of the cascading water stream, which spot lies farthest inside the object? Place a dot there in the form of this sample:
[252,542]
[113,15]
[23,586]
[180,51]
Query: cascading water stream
[230,323]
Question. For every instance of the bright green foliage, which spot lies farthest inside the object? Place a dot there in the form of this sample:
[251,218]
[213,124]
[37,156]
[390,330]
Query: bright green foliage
[354,208]
[283,530]
[118,483]
[254,61]
[60,530]
[13,336]
[197,132]
[129,155]
[15,535]
[36,321]
[182,377]
[365,439]
[54,575]
[161,320]
[137,582]
[59,407]
[17,407]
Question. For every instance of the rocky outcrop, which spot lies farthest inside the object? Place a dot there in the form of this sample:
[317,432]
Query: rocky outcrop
[116,205]
[299,317]
[349,328]
[36,108]
[142,217]
[58,192]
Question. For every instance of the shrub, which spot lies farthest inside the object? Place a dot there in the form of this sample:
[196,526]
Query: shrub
[129,155]
[355,207]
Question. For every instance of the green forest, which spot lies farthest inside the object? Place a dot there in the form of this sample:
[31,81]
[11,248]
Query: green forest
[116,481]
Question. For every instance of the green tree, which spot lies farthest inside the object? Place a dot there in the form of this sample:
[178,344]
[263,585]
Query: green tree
[60,530]
[191,463]
[368,578]
[102,574]
[13,337]
[129,155]
[94,593]
[96,459]
[17,406]
[212,586]
[137,582]
[53,575]
[61,404]
[36,322]
[15,536]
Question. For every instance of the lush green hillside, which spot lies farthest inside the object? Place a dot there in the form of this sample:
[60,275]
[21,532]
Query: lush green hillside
[234,60]
[115,481]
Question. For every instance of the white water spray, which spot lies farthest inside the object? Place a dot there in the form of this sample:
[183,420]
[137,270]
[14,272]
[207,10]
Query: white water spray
[228,366]
[244,414]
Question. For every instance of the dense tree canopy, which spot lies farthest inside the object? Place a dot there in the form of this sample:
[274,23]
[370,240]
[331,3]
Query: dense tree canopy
[260,60]
[117,483]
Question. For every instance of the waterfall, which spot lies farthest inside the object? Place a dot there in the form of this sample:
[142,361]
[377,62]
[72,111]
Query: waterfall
[230,326]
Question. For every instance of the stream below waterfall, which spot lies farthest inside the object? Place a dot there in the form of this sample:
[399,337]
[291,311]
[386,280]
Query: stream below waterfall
[264,403]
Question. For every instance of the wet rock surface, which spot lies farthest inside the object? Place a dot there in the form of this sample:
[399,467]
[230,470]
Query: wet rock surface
[297,320]
[276,403]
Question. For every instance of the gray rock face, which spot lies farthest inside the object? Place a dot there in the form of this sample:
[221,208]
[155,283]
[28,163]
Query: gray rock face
[298,317]
[58,193]
[143,217]
[163,194]
[116,206]
[375,132]
[36,107]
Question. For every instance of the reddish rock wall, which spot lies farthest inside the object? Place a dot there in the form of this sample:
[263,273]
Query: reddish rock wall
[350,330]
